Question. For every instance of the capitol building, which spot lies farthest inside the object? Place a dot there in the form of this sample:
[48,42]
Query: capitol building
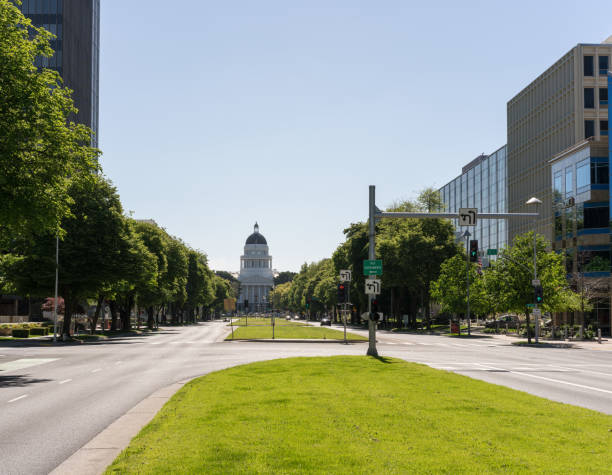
[256,274]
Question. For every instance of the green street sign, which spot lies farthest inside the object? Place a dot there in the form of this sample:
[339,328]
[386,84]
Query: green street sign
[372,267]
[491,252]
[530,305]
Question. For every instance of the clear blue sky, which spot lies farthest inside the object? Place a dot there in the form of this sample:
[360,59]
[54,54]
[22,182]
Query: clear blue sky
[216,114]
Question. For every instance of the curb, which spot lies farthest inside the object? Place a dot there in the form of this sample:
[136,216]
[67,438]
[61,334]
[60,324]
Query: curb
[97,454]
[280,340]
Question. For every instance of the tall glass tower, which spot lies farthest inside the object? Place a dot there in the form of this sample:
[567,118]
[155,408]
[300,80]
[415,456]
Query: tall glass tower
[76,25]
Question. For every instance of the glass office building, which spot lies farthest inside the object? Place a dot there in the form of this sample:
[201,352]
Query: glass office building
[483,185]
[76,25]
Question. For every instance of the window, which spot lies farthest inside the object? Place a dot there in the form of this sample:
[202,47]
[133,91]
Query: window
[583,175]
[569,181]
[596,217]
[603,96]
[579,217]
[588,65]
[558,225]
[589,98]
[599,173]
[603,127]
[603,65]
[558,187]
[589,128]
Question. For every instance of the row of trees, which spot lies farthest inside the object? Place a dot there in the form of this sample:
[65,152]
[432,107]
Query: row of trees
[423,264]
[51,187]
[412,252]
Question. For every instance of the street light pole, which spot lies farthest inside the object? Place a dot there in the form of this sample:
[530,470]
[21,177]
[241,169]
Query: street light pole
[467,276]
[372,255]
[56,279]
[537,202]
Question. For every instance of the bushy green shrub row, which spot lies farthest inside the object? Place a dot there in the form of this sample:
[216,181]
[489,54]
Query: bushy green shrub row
[21,333]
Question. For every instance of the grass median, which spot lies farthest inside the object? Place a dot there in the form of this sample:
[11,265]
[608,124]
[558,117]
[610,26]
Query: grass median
[363,415]
[242,321]
[292,332]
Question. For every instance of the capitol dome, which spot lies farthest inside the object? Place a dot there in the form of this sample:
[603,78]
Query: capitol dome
[256,238]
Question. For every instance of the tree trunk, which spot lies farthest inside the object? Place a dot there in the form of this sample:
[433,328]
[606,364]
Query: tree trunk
[112,305]
[67,314]
[94,321]
[150,318]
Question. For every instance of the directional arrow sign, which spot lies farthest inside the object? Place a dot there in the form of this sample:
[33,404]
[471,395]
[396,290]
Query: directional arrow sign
[345,275]
[467,216]
[372,286]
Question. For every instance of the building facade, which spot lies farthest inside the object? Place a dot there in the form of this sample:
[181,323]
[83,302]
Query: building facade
[483,185]
[256,274]
[76,26]
[565,105]
[581,232]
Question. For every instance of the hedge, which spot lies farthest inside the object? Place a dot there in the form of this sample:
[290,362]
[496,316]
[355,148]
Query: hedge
[39,331]
[21,333]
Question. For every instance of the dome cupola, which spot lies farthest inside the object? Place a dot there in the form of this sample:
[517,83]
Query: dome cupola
[256,238]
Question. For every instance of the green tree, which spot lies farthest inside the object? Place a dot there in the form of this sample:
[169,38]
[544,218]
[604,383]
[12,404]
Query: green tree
[94,252]
[41,152]
[512,274]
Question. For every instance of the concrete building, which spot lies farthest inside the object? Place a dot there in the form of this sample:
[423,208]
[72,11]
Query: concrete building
[566,104]
[483,185]
[76,25]
[256,274]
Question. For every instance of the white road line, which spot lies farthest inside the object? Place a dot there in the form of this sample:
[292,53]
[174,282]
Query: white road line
[65,381]
[96,370]
[582,370]
[582,386]
[156,343]
[18,398]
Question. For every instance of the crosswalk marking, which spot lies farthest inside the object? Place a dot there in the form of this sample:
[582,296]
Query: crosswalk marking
[24,363]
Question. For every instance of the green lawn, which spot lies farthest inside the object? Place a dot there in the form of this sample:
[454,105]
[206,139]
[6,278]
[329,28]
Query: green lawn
[355,415]
[296,332]
[242,321]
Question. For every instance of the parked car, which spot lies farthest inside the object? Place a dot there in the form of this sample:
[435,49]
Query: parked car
[326,321]
[296,317]
[288,317]
[510,320]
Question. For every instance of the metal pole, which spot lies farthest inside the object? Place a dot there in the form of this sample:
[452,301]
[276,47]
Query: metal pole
[467,277]
[372,255]
[535,278]
[56,280]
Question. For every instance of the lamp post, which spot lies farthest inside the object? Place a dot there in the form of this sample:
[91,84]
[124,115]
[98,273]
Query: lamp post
[537,202]
[467,235]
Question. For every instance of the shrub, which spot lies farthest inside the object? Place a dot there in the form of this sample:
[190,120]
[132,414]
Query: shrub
[21,333]
[39,331]
[5,330]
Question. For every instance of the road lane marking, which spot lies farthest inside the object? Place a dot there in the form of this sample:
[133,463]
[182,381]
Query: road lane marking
[65,381]
[18,398]
[24,363]
[581,370]
[96,370]
[156,342]
[552,380]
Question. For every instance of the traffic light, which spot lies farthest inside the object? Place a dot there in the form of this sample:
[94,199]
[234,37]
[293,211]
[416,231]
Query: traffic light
[341,293]
[374,310]
[307,304]
[246,304]
[474,250]
[539,294]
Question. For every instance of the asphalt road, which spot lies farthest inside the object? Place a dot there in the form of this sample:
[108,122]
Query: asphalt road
[53,400]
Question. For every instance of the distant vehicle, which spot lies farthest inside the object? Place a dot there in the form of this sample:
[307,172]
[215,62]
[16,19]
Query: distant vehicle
[288,317]
[510,320]
[296,317]
[326,321]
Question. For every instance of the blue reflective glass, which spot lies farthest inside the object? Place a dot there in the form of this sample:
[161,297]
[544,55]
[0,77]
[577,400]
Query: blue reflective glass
[569,181]
[583,175]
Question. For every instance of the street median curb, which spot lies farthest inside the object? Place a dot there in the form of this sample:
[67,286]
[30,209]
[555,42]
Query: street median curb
[95,456]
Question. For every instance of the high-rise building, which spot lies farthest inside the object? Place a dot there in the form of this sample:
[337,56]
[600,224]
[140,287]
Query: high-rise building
[482,185]
[565,105]
[76,25]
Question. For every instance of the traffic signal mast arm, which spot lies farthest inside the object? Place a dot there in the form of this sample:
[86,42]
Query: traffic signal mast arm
[386,214]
